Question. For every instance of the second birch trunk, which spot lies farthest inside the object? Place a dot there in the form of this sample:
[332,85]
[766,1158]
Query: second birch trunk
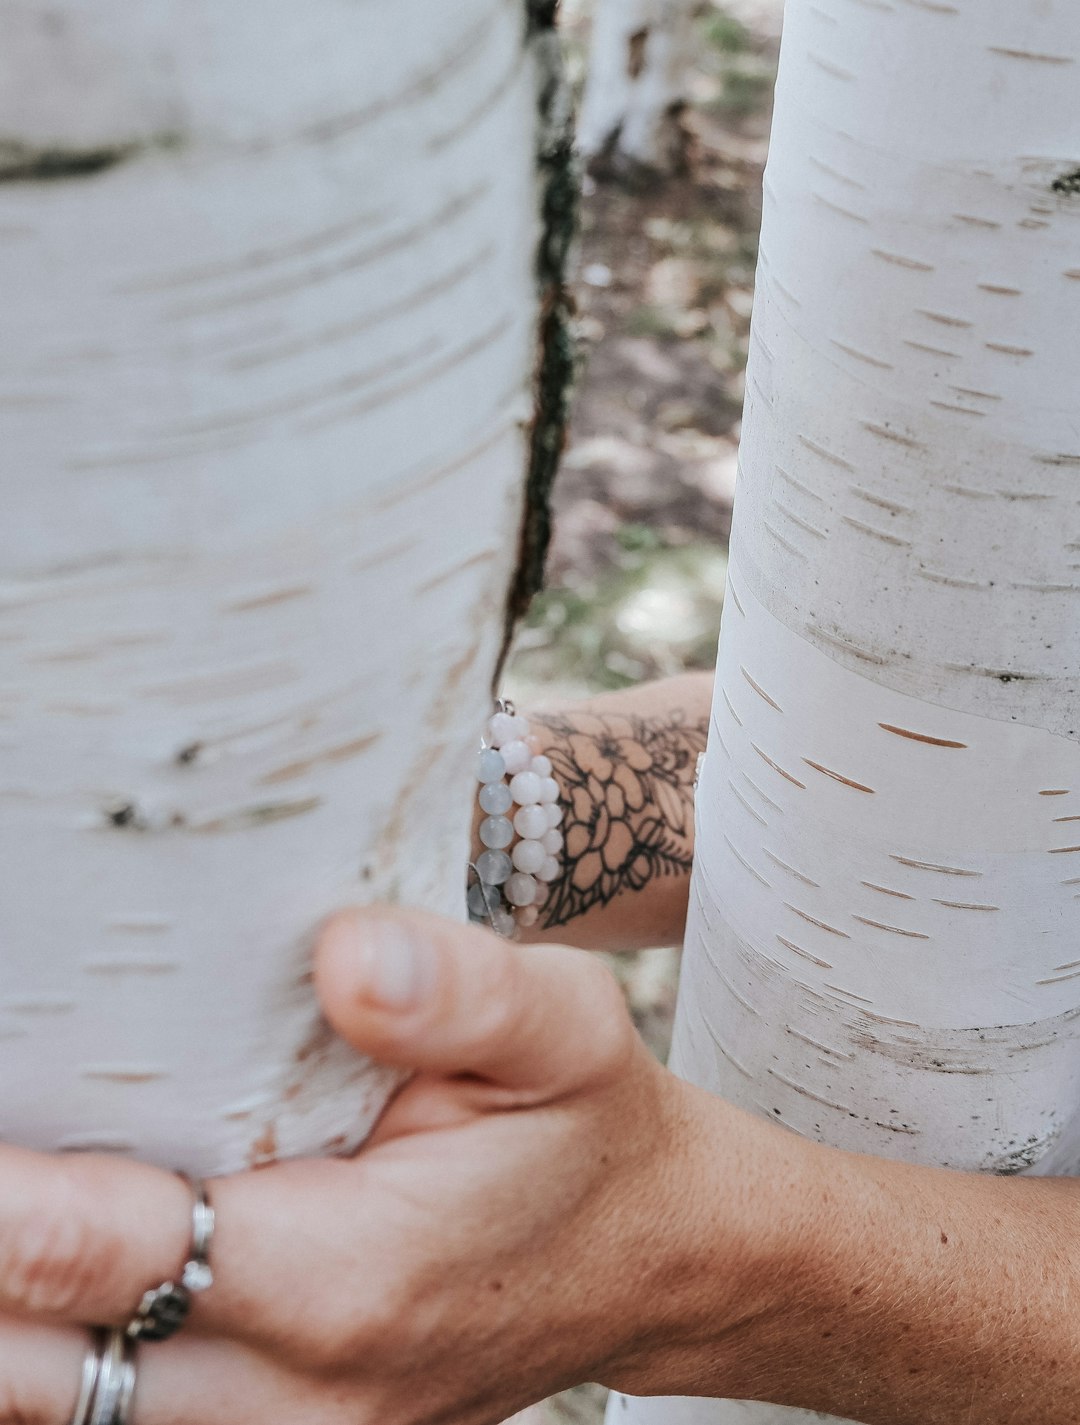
[883,950]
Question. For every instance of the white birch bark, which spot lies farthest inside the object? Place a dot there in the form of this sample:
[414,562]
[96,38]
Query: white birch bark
[640,61]
[263,390]
[884,943]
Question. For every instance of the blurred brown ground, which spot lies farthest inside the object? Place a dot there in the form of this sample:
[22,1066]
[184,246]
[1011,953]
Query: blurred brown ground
[643,502]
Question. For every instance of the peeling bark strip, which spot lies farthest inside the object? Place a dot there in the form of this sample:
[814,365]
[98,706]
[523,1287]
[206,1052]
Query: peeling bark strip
[560,186]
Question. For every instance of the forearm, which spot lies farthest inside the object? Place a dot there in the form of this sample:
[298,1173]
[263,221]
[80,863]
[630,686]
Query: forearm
[625,764]
[876,1291]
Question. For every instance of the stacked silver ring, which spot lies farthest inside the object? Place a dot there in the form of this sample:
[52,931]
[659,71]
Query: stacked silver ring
[164,1309]
[108,1374]
[108,1380]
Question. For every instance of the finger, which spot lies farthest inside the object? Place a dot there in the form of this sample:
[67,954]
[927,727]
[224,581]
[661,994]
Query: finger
[421,992]
[214,1382]
[81,1238]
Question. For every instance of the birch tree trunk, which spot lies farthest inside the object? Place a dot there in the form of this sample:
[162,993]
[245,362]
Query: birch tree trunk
[884,944]
[639,62]
[268,324]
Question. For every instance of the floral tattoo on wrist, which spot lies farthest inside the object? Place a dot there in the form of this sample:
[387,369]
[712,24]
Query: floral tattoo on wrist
[627,787]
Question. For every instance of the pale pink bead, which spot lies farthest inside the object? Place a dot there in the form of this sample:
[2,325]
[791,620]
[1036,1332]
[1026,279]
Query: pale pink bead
[542,766]
[515,756]
[529,856]
[521,889]
[534,745]
[554,813]
[528,916]
[531,822]
[507,727]
[525,788]
[551,841]
[549,789]
[541,893]
[549,871]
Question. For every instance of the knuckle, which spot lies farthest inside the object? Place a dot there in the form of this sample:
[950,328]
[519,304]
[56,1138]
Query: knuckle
[613,1040]
[498,1013]
[15,1409]
[54,1261]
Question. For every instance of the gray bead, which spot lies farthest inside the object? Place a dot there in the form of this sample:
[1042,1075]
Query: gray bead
[494,867]
[478,901]
[495,798]
[496,831]
[490,765]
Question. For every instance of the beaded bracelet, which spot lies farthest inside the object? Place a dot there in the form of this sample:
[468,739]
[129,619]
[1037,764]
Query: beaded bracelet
[510,878]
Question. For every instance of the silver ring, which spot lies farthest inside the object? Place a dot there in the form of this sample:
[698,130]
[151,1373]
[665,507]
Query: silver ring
[164,1309]
[91,1373]
[116,1383]
[108,1380]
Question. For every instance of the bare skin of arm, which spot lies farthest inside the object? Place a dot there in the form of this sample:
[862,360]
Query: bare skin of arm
[625,763]
[878,1291]
[543,1204]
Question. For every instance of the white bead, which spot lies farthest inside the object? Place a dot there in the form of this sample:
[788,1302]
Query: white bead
[549,871]
[516,756]
[496,831]
[520,889]
[503,923]
[554,813]
[552,841]
[506,727]
[490,765]
[493,867]
[529,916]
[542,766]
[528,856]
[549,789]
[531,822]
[495,798]
[525,788]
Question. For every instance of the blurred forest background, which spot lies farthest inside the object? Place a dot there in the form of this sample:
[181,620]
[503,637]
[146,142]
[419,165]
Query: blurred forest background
[643,501]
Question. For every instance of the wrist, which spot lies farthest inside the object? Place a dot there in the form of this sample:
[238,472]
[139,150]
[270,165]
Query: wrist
[744,1259]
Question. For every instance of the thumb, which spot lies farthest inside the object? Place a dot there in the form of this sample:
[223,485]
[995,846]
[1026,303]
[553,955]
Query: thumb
[419,992]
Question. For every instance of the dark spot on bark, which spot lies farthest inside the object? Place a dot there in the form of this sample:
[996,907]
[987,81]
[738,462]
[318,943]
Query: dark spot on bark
[857,1291]
[264,1149]
[22,162]
[122,814]
[944,1240]
[542,13]
[25,163]
[188,754]
[496,1286]
[1068,183]
[635,51]
[825,1335]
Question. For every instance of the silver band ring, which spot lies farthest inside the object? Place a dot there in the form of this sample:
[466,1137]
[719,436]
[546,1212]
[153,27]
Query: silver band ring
[91,1373]
[108,1380]
[164,1309]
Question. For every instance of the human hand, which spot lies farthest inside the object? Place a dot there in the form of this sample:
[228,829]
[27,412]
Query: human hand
[519,1221]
